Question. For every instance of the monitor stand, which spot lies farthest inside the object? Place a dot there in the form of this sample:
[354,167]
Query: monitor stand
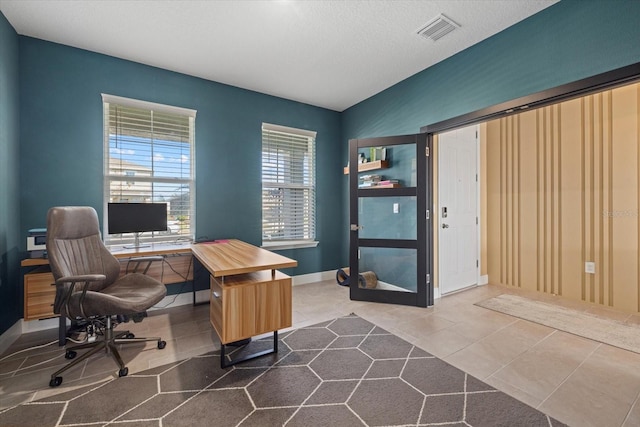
[136,243]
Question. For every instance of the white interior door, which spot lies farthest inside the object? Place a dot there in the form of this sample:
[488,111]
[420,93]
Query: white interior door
[458,209]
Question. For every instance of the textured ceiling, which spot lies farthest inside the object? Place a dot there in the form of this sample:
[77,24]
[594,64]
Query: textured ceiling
[331,54]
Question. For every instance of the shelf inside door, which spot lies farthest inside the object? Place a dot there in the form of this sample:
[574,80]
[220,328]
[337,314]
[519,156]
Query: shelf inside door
[363,167]
[380,186]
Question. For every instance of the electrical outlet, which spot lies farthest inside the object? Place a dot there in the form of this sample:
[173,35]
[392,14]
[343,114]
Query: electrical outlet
[590,267]
[396,207]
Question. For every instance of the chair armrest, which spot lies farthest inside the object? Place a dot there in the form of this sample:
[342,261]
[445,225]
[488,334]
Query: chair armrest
[145,260]
[81,278]
[65,286]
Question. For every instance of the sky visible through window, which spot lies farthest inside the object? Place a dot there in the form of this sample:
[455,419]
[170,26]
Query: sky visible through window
[133,157]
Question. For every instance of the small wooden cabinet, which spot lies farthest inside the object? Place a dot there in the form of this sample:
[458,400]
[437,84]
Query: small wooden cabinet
[246,305]
[39,294]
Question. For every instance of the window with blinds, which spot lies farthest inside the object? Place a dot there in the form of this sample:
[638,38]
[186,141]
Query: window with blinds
[149,158]
[288,185]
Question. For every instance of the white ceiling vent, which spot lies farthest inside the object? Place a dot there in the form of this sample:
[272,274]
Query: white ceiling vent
[437,28]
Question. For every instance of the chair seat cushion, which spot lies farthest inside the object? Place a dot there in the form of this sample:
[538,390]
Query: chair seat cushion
[130,294]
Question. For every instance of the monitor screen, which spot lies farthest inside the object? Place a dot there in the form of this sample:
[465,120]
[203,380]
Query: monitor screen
[136,217]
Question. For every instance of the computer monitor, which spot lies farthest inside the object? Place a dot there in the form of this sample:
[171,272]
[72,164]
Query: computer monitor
[136,218]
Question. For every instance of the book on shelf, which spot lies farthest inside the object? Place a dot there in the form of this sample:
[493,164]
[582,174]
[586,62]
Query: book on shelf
[389,183]
[370,178]
[377,153]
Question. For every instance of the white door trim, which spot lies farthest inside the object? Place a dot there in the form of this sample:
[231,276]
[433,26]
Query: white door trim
[478,279]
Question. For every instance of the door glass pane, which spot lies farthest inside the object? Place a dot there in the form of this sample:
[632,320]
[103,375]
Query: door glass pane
[387,166]
[387,217]
[390,269]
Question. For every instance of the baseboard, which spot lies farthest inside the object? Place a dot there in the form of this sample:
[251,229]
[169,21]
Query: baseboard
[39,325]
[436,293]
[483,280]
[320,276]
[10,336]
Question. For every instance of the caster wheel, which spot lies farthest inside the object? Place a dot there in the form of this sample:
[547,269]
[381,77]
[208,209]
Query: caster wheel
[55,382]
[123,372]
[70,354]
[129,336]
[162,344]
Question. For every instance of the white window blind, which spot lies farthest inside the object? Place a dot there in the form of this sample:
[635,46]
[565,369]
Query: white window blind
[149,158]
[288,184]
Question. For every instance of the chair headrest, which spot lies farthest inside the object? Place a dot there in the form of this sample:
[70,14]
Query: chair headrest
[72,222]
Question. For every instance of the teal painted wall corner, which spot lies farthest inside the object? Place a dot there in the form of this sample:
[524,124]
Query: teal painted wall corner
[568,41]
[10,281]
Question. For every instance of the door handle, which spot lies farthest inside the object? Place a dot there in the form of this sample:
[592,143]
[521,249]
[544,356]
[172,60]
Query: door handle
[445,225]
[356,227]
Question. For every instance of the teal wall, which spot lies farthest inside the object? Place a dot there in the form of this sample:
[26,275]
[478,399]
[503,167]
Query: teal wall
[10,237]
[60,116]
[61,137]
[568,41]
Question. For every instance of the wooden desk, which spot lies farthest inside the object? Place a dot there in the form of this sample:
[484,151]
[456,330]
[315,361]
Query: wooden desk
[229,257]
[246,298]
[39,291]
[122,252]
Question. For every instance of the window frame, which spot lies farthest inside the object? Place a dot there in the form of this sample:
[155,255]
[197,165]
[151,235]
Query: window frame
[108,178]
[282,243]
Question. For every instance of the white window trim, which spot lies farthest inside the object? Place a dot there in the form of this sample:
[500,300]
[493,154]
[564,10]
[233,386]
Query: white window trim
[168,109]
[291,244]
[286,129]
[136,103]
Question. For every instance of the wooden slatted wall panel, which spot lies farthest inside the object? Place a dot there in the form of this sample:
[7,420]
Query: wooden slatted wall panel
[563,188]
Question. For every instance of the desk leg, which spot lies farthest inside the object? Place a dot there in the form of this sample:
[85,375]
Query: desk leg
[223,358]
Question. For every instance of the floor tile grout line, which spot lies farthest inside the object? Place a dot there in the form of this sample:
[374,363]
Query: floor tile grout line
[524,352]
[572,372]
[636,402]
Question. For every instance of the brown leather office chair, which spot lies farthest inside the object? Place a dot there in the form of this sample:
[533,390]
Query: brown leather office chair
[88,287]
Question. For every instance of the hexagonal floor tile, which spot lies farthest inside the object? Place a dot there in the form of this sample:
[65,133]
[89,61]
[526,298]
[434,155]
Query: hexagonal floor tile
[223,407]
[351,326]
[433,376]
[385,347]
[341,364]
[334,415]
[283,386]
[386,402]
[309,339]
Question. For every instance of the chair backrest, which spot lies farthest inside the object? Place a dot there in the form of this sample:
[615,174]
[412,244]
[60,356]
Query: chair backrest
[74,246]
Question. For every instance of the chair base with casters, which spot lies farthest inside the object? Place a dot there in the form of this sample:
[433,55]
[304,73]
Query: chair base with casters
[108,344]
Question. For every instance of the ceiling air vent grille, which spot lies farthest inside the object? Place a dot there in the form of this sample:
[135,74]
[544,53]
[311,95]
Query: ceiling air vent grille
[437,28]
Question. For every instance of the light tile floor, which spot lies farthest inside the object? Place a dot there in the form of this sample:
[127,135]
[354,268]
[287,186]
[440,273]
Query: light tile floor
[575,380]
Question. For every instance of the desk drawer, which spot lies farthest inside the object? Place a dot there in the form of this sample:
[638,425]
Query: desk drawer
[38,295]
[215,305]
[251,304]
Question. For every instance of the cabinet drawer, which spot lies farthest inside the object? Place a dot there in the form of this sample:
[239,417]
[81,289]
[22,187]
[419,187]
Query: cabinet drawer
[251,304]
[215,306]
[39,294]
[39,283]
